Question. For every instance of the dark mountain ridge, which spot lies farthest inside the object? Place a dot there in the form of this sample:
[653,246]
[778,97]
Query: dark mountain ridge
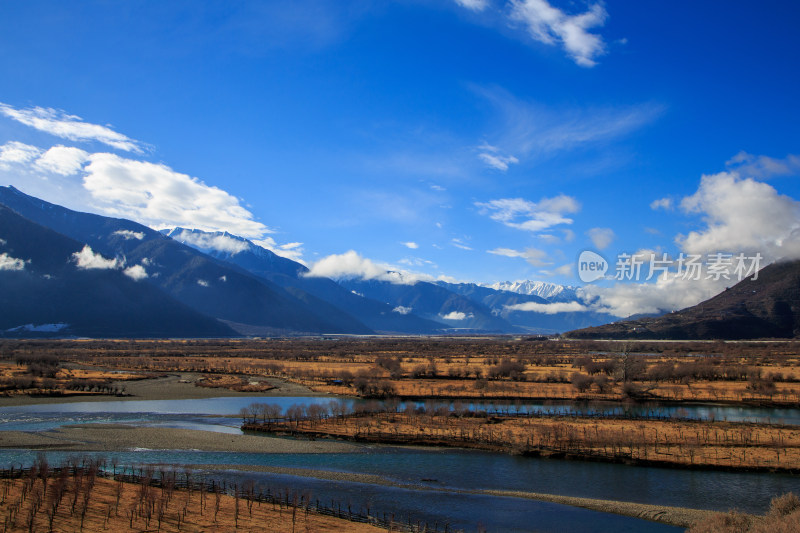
[292,276]
[209,286]
[765,307]
[51,294]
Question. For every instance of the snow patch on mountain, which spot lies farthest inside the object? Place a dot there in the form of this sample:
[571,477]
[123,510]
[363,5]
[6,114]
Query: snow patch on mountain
[39,328]
[542,289]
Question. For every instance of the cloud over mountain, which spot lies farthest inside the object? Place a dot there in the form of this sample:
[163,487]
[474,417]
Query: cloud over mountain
[11,263]
[87,259]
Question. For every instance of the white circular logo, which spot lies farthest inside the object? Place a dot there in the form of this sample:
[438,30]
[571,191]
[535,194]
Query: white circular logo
[591,266]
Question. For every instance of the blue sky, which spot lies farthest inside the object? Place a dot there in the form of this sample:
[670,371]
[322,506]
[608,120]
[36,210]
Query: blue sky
[475,139]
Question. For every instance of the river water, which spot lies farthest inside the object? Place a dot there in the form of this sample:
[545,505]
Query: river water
[433,480]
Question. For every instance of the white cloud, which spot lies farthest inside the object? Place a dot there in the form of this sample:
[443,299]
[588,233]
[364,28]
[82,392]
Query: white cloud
[11,263]
[549,238]
[531,255]
[474,5]
[661,203]
[666,294]
[86,259]
[410,244]
[129,235]
[564,270]
[530,128]
[549,309]
[552,26]
[203,283]
[458,243]
[402,310]
[61,124]
[217,241]
[290,250]
[63,160]
[416,262]
[742,216]
[348,265]
[152,194]
[159,197]
[136,272]
[498,162]
[752,166]
[351,265]
[18,153]
[601,237]
[531,216]
[457,315]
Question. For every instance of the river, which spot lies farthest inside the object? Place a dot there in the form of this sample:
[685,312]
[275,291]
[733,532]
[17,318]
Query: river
[427,484]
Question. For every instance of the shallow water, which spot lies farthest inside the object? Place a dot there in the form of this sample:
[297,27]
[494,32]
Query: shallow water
[205,413]
[431,503]
[445,470]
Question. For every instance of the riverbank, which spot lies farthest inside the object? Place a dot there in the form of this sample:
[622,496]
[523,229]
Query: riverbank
[170,386]
[669,443]
[675,516]
[123,437]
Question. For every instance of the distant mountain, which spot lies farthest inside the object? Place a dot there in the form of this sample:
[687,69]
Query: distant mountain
[549,291]
[291,275]
[250,304]
[767,307]
[44,291]
[237,250]
[434,302]
[501,302]
[256,292]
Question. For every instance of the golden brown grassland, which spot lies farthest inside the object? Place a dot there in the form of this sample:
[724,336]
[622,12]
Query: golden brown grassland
[448,368]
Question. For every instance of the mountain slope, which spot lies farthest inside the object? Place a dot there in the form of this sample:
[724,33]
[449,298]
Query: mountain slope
[763,308]
[46,292]
[209,286]
[291,276]
[433,302]
[502,301]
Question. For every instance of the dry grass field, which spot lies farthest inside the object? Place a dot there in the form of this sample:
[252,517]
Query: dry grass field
[760,373]
[85,502]
[667,442]
[50,379]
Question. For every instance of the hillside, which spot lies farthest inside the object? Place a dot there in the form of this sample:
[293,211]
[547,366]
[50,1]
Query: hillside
[211,287]
[767,307]
[43,291]
[291,276]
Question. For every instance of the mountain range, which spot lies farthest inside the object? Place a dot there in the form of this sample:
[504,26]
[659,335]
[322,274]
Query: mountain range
[70,273]
[552,292]
[67,273]
[46,288]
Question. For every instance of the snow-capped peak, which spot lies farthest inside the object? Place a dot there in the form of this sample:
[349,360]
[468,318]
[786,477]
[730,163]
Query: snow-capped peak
[542,289]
